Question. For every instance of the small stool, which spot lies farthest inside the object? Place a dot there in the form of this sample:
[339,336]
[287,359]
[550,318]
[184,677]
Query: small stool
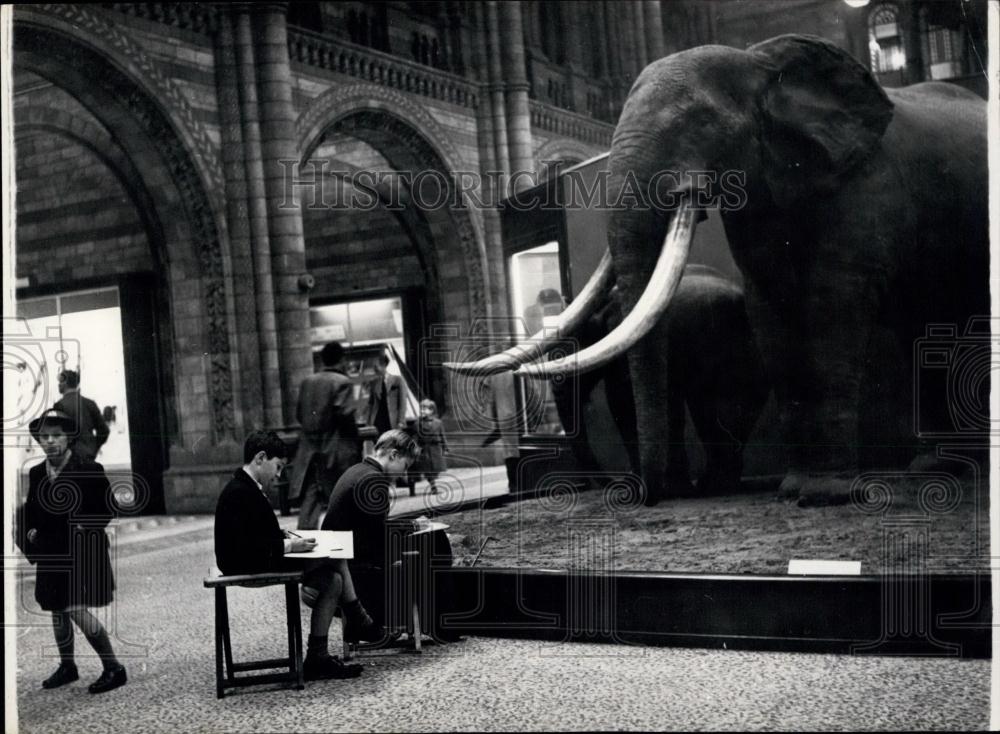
[405,580]
[223,645]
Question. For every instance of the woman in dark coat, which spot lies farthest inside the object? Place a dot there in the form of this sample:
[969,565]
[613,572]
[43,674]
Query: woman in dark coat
[69,505]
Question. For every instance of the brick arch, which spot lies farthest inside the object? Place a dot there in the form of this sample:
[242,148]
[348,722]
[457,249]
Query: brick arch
[35,120]
[410,139]
[84,54]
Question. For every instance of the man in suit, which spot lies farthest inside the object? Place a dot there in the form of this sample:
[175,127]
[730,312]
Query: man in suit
[248,540]
[93,431]
[387,399]
[329,441]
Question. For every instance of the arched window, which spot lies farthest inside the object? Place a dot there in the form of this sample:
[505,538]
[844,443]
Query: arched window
[885,40]
[943,47]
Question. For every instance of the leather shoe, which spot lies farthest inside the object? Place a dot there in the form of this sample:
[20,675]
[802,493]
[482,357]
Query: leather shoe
[328,667]
[65,673]
[109,680]
[360,627]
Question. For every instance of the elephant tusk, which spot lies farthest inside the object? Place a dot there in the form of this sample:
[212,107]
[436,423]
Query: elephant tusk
[568,322]
[647,312]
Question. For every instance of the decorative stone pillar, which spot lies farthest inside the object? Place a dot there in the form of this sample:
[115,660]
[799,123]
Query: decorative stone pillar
[250,412]
[639,29]
[256,219]
[488,164]
[518,109]
[654,30]
[496,89]
[279,148]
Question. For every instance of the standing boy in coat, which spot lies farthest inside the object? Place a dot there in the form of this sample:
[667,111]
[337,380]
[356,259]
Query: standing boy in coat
[433,446]
[67,509]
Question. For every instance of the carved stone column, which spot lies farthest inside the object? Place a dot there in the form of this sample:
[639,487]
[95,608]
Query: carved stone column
[256,218]
[496,88]
[639,29]
[654,30]
[250,411]
[279,148]
[518,110]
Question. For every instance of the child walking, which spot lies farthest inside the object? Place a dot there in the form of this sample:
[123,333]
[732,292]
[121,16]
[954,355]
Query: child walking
[430,435]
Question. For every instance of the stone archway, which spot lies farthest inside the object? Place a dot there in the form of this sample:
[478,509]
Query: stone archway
[171,156]
[410,139]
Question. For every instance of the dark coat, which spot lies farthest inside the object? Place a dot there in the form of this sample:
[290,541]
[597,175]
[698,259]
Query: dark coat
[248,538]
[71,549]
[395,390]
[430,435]
[328,425]
[93,431]
[360,503]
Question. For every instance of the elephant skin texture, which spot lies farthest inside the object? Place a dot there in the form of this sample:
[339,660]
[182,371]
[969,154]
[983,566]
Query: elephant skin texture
[862,209]
[714,370]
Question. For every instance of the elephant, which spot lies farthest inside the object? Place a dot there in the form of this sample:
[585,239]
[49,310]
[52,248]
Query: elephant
[849,207]
[717,373]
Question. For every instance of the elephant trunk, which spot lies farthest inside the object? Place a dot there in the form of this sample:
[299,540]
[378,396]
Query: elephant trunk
[646,313]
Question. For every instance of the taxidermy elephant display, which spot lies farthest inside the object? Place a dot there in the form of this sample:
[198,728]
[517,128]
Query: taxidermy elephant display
[717,375]
[860,206]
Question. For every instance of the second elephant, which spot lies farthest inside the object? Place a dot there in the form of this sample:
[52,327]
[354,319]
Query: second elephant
[714,370]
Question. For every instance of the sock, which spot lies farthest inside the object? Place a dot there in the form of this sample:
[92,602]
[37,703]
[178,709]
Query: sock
[64,637]
[102,646]
[316,646]
[353,608]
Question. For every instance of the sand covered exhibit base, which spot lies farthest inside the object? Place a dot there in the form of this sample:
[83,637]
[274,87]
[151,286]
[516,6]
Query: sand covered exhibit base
[900,524]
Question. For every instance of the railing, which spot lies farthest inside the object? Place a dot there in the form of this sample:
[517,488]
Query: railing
[570,124]
[197,17]
[381,68]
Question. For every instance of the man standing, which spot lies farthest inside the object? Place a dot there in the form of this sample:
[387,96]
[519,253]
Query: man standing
[329,441]
[248,540]
[90,423]
[387,400]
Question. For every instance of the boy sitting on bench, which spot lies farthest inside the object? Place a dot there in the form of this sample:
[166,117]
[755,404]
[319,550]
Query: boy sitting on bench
[248,540]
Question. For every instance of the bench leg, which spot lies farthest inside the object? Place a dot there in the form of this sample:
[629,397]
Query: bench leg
[294,633]
[222,602]
[220,615]
[415,622]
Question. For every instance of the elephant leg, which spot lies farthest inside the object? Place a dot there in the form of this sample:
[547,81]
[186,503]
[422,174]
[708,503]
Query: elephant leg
[841,305]
[775,337]
[678,465]
[621,403]
[648,370]
[721,428]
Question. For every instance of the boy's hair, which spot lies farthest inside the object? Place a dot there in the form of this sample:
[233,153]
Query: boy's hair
[428,403]
[267,441]
[331,354]
[400,441]
[70,377]
[383,359]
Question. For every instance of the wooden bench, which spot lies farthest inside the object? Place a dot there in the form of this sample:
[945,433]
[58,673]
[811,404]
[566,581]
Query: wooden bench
[223,645]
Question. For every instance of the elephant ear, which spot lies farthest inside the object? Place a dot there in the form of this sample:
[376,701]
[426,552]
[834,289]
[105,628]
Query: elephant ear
[822,115]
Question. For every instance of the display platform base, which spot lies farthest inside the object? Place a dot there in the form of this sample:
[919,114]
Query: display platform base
[946,615]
